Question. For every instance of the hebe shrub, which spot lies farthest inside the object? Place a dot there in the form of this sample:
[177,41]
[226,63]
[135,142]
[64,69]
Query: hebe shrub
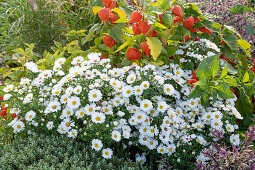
[56,152]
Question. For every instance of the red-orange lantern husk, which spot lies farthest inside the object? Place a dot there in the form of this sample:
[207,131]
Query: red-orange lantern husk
[136,29]
[104,14]
[145,48]
[107,3]
[153,33]
[177,11]
[205,30]
[109,41]
[113,18]
[133,54]
[189,22]
[144,27]
[177,19]
[136,17]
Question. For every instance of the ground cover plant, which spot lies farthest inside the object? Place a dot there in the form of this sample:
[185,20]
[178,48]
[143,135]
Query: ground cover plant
[56,152]
[156,85]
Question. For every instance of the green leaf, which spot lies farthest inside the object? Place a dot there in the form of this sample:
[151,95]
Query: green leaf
[157,62]
[203,70]
[126,62]
[58,44]
[224,71]
[189,66]
[171,50]
[164,4]
[231,40]
[246,77]
[251,29]
[240,9]
[117,34]
[155,46]
[19,51]
[245,106]
[205,97]
[196,93]
[127,43]
[167,19]
[215,67]
[97,41]
[202,83]
[230,81]
[90,36]
[224,93]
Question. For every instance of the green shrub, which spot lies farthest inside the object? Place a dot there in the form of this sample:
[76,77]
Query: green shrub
[20,23]
[55,152]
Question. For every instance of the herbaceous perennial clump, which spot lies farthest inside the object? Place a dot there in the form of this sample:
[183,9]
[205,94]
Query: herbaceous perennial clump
[146,107]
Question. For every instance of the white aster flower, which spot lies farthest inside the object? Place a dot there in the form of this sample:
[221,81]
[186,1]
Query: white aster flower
[98,117]
[73,133]
[146,105]
[80,113]
[107,153]
[73,102]
[94,95]
[169,89]
[50,125]
[97,144]
[18,126]
[234,139]
[30,115]
[230,128]
[127,91]
[131,78]
[116,135]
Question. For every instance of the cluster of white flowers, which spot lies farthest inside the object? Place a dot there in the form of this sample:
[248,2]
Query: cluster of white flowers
[141,106]
[198,49]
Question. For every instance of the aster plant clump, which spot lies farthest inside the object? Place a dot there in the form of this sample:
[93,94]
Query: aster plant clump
[116,109]
[240,156]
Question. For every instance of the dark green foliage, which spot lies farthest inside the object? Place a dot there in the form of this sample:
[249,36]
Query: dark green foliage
[56,152]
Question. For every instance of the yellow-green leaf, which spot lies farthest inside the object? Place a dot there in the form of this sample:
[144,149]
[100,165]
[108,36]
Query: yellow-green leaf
[157,63]
[121,20]
[131,41]
[244,44]
[120,12]
[96,9]
[246,77]
[160,25]
[155,46]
